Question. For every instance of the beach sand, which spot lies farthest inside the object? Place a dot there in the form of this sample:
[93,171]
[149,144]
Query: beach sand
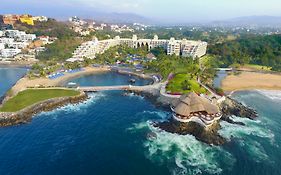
[252,80]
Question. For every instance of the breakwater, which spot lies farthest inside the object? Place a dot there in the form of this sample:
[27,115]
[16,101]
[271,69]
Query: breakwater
[25,115]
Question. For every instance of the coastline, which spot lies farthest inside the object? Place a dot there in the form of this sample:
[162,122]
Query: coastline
[22,64]
[25,82]
[251,81]
[25,115]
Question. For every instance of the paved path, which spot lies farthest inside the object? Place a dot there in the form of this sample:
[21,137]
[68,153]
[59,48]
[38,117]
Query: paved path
[123,87]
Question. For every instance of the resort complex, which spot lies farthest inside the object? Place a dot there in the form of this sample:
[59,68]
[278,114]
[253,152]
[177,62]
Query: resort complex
[193,108]
[184,48]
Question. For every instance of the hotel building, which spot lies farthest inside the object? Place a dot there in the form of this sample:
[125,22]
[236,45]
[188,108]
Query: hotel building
[184,48]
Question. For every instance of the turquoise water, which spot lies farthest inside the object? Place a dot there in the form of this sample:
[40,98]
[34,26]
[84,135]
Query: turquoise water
[109,79]
[108,134]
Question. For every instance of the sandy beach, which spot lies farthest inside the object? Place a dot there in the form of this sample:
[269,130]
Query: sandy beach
[252,80]
[25,82]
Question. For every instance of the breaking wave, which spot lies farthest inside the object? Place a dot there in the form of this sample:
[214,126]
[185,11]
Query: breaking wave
[157,114]
[272,94]
[246,136]
[183,154]
[80,107]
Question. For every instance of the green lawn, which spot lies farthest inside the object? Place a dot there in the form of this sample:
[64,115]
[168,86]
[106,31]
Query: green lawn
[175,85]
[32,96]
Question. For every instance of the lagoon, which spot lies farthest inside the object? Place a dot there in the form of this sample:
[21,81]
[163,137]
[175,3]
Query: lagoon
[109,78]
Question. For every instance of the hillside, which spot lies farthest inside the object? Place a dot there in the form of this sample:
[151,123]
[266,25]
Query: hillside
[261,50]
[51,28]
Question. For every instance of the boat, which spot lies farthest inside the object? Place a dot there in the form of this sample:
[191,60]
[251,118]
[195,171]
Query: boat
[72,84]
[132,80]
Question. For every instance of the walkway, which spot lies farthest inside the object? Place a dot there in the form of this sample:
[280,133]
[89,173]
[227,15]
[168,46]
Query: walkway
[214,94]
[123,87]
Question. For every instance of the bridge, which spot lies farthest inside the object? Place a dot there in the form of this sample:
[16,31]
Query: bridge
[123,87]
[224,69]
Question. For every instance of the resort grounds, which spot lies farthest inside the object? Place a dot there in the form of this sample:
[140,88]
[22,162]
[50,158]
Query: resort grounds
[25,82]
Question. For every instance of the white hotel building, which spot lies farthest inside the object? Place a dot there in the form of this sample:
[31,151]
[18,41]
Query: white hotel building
[184,48]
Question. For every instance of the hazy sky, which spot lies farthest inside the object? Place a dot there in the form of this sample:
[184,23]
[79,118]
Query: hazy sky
[169,10]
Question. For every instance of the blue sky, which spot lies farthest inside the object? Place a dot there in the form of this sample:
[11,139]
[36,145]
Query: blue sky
[162,10]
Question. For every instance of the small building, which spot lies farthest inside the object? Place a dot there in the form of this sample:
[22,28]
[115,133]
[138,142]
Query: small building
[40,18]
[193,108]
[27,19]
[9,53]
[151,56]
[10,19]
[72,60]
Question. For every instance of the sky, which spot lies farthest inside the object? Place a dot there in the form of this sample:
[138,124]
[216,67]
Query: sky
[160,10]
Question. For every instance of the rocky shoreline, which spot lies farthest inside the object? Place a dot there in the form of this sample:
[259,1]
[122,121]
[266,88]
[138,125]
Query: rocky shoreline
[25,115]
[209,135]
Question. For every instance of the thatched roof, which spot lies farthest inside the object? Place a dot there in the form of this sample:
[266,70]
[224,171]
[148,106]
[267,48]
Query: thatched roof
[192,103]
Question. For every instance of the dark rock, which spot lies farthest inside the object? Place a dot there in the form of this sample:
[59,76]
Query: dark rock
[229,120]
[207,135]
[233,107]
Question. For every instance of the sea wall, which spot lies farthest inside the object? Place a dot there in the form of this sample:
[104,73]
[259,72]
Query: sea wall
[156,96]
[25,115]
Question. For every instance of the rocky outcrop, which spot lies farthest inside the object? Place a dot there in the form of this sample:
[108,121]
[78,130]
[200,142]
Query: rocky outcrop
[207,135]
[232,107]
[25,115]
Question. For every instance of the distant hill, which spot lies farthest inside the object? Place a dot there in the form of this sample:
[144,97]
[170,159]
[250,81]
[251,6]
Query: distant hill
[121,18]
[273,21]
[104,17]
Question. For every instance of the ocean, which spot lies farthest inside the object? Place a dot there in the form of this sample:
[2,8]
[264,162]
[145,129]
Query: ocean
[8,77]
[110,134]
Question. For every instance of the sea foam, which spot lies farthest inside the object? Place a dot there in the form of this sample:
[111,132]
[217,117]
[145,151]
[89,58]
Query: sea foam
[183,154]
[80,107]
[272,94]
[246,136]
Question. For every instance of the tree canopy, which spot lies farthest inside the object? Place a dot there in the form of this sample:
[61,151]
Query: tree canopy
[261,50]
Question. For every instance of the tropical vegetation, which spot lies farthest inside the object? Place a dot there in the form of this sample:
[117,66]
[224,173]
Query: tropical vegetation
[257,50]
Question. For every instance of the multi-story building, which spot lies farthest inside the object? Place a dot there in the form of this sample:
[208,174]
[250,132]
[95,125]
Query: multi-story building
[13,41]
[18,45]
[6,40]
[173,47]
[9,53]
[20,35]
[184,48]
[91,48]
